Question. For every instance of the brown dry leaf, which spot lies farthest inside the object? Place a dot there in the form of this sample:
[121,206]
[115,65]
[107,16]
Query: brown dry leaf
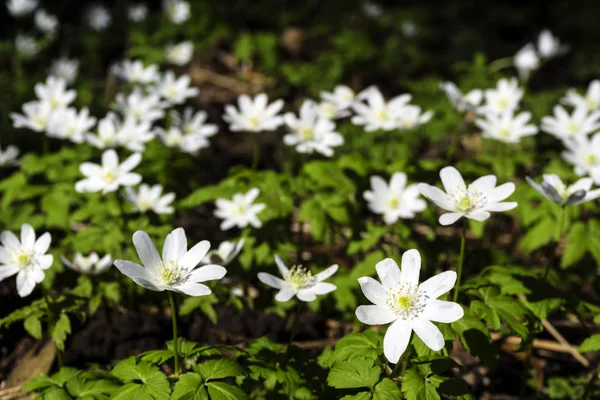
[37,360]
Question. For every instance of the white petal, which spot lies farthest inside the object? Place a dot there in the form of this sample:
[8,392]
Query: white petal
[285,294]
[137,273]
[388,272]
[411,266]
[479,215]
[306,295]
[146,250]
[452,179]
[374,315]
[281,265]
[322,288]
[321,276]
[439,284]
[436,195]
[193,289]
[209,272]
[175,246]
[443,311]
[194,255]
[7,271]
[449,218]
[25,283]
[271,280]
[396,340]
[429,334]
[373,290]
[501,192]
[43,243]
[485,183]
[27,236]
[9,240]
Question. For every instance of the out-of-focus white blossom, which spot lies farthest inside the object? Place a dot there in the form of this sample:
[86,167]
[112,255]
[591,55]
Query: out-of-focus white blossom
[65,68]
[180,53]
[67,123]
[178,11]
[137,12]
[254,115]
[26,46]
[19,8]
[98,17]
[45,22]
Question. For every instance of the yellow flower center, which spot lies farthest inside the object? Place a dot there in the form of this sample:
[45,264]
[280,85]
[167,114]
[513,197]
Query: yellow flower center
[306,133]
[592,159]
[404,302]
[169,272]
[591,103]
[144,205]
[503,103]
[505,132]
[24,259]
[253,122]
[573,128]
[298,277]
[110,177]
[382,115]
[465,203]
[394,203]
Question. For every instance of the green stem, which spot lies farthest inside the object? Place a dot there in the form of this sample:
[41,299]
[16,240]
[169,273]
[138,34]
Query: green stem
[501,63]
[561,228]
[295,317]
[461,258]
[175,338]
[122,214]
[256,156]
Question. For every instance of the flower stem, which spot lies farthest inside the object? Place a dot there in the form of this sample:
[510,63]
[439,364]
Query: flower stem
[256,156]
[294,318]
[175,338]
[500,63]
[461,258]
[561,228]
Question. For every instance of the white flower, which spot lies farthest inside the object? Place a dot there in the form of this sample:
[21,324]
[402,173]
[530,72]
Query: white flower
[45,22]
[395,200]
[55,93]
[506,96]
[146,108]
[129,133]
[66,123]
[240,210]
[556,191]
[19,8]
[177,270]
[526,60]
[26,258]
[178,11]
[108,133]
[506,127]
[409,28]
[579,123]
[133,71]
[150,198]
[109,176]
[336,104]
[90,265]
[298,281]
[224,254]
[65,69]
[377,114]
[584,154]
[474,202]
[181,53]
[26,46]
[409,306]
[591,100]
[175,90]
[190,133]
[410,117]
[310,133]
[137,12]
[468,102]
[549,46]
[9,156]
[254,115]
[372,10]
[35,116]
[98,17]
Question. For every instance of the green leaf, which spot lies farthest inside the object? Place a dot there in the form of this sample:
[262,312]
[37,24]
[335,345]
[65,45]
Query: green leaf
[576,245]
[225,391]
[33,326]
[356,345]
[417,387]
[143,381]
[353,374]
[387,390]
[218,369]
[541,234]
[190,387]
[590,344]
[60,330]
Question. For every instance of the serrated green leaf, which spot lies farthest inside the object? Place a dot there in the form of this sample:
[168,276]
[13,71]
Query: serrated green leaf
[60,330]
[218,369]
[225,391]
[387,390]
[353,374]
[590,344]
[33,326]
[417,387]
[576,245]
[190,387]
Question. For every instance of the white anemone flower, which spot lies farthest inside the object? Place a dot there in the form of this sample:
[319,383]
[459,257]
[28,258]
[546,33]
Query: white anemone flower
[110,175]
[177,11]
[36,115]
[240,211]
[142,107]
[20,8]
[411,116]
[563,125]
[254,115]
[526,61]
[176,271]
[337,103]
[45,22]
[26,46]
[26,258]
[462,103]
[90,265]
[54,92]
[98,17]
[584,154]
[377,113]
[137,12]
[129,133]
[553,188]
[474,201]
[298,281]
[409,306]
[9,156]
[591,100]
[65,68]
[150,198]
[175,90]
[224,254]
[506,96]
[67,123]
[194,123]
[506,127]
[181,53]
[310,133]
[395,200]
[133,71]
[549,46]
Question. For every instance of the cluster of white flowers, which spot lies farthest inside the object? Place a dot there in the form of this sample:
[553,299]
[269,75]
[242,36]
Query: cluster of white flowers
[530,56]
